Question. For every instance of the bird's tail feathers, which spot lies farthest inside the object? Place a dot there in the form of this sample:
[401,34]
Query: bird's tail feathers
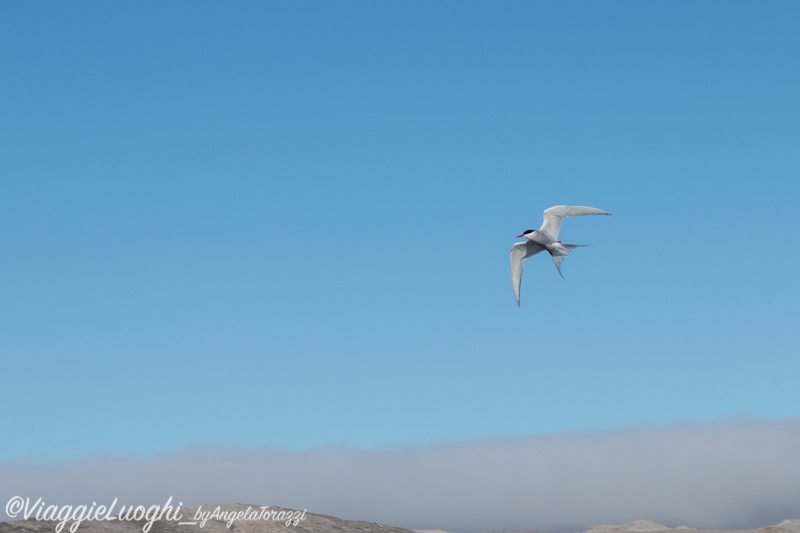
[559,258]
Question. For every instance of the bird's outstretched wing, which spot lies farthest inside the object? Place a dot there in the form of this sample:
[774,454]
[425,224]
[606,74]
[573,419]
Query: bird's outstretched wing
[554,216]
[519,252]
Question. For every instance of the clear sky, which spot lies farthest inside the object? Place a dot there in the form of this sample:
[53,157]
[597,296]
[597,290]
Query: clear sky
[287,225]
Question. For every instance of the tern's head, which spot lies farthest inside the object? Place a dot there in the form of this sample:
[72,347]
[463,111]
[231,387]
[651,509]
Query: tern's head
[526,232]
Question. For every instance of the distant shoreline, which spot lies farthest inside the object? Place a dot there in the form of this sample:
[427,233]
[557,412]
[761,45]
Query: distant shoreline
[254,518]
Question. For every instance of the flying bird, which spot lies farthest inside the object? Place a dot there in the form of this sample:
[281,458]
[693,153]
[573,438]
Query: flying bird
[546,238]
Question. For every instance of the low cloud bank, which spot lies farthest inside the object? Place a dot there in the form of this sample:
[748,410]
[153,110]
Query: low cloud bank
[724,475]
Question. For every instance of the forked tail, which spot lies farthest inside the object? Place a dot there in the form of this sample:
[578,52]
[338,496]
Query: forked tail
[559,257]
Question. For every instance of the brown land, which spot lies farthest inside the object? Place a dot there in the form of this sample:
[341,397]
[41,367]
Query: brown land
[242,519]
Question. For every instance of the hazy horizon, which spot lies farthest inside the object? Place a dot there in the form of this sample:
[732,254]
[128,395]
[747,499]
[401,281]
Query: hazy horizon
[275,235]
[734,474]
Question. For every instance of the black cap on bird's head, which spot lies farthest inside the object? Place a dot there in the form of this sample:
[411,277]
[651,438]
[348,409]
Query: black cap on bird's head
[526,232]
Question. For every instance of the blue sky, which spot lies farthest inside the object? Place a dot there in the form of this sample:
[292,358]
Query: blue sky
[287,224]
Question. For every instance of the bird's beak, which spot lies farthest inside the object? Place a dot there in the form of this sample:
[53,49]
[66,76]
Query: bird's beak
[518,236]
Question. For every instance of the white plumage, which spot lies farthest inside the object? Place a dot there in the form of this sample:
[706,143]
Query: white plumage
[546,238]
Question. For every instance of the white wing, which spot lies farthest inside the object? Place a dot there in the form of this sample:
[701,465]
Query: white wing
[554,216]
[519,252]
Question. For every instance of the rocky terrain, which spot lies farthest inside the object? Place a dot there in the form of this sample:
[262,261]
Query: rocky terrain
[646,526]
[787,526]
[240,518]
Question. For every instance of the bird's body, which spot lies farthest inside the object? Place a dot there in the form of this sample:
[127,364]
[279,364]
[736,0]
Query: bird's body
[546,238]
